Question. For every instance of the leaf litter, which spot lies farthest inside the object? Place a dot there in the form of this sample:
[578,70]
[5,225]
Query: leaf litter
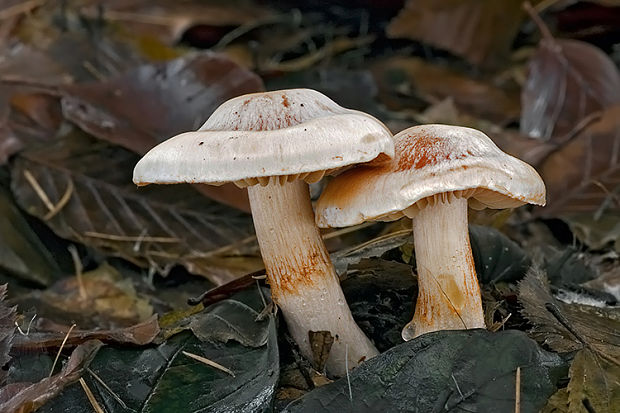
[86,88]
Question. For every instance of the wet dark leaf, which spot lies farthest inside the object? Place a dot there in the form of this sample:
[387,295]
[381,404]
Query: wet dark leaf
[594,384]
[446,371]
[567,81]
[381,295]
[158,226]
[28,397]
[480,31]
[497,257]
[21,251]
[47,334]
[7,331]
[162,379]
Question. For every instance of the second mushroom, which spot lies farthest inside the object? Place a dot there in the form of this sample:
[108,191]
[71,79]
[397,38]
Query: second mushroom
[436,171]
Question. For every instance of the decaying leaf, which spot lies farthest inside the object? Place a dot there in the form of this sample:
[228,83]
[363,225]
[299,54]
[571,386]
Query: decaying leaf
[108,301]
[45,334]
[88,187]
[21,251]
[7,330]
[407,83]
[444,371]
[583,175]
[28,397]
[482,31]
[320,343]
[594,385]
[151,103]
[568,327]
[167,21]
[567,81]
[598,230]
[164,379]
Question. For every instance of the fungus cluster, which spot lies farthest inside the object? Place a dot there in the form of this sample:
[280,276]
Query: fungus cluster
[275,143]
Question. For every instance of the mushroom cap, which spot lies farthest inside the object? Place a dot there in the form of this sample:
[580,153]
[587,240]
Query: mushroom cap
[283,135]
[430,160]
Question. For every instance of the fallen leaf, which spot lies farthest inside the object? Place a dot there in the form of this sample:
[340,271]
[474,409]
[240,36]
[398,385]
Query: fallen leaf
[593,384]
[163,379]
[497,257]
[28,397]
[568,327]
[151,103]
[444,371]
[168,21]
[7,331]
[109,300]
[482,31]
[320,344]
[409,83]
[597,232]
[46,334]
[582,175]
[158,226]
[21,251]
[567,81]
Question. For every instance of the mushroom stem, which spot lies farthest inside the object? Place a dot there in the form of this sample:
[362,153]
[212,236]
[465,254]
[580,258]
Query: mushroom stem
[448,291]
[303,281]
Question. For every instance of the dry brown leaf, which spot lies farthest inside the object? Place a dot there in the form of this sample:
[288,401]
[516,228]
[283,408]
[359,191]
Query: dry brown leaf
[7,330]
[154,102]
[46,334]
[481,31]
[567,81]
[158,226]
[168,20]
[584,174]
[412,83]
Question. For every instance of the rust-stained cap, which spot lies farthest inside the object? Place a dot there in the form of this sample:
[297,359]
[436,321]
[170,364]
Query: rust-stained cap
[430,160]
[282,135]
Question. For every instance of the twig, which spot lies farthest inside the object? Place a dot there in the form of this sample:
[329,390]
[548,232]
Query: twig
[91,396]
[208,362]
[130,238]
[518,391]
[60,350]
[457,387]
[346,367]
[77,265]
[61,203]
[293,17]
[544,30]
[38,190]
[27,329]
[105,386]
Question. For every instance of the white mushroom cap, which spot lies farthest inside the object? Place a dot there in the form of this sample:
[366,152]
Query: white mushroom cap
[285,135]
[430,160]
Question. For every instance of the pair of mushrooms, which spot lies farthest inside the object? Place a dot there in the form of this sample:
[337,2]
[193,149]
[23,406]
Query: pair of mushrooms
[275,143]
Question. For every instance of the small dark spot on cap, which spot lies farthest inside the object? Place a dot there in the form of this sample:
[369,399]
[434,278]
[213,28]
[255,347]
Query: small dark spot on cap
[200,143]
[301,104]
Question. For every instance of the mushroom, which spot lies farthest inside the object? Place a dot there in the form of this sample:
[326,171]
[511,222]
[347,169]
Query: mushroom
[275,143]
[435,172]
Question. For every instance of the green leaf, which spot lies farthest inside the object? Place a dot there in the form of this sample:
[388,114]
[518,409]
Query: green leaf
[445,371]
[163,379]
